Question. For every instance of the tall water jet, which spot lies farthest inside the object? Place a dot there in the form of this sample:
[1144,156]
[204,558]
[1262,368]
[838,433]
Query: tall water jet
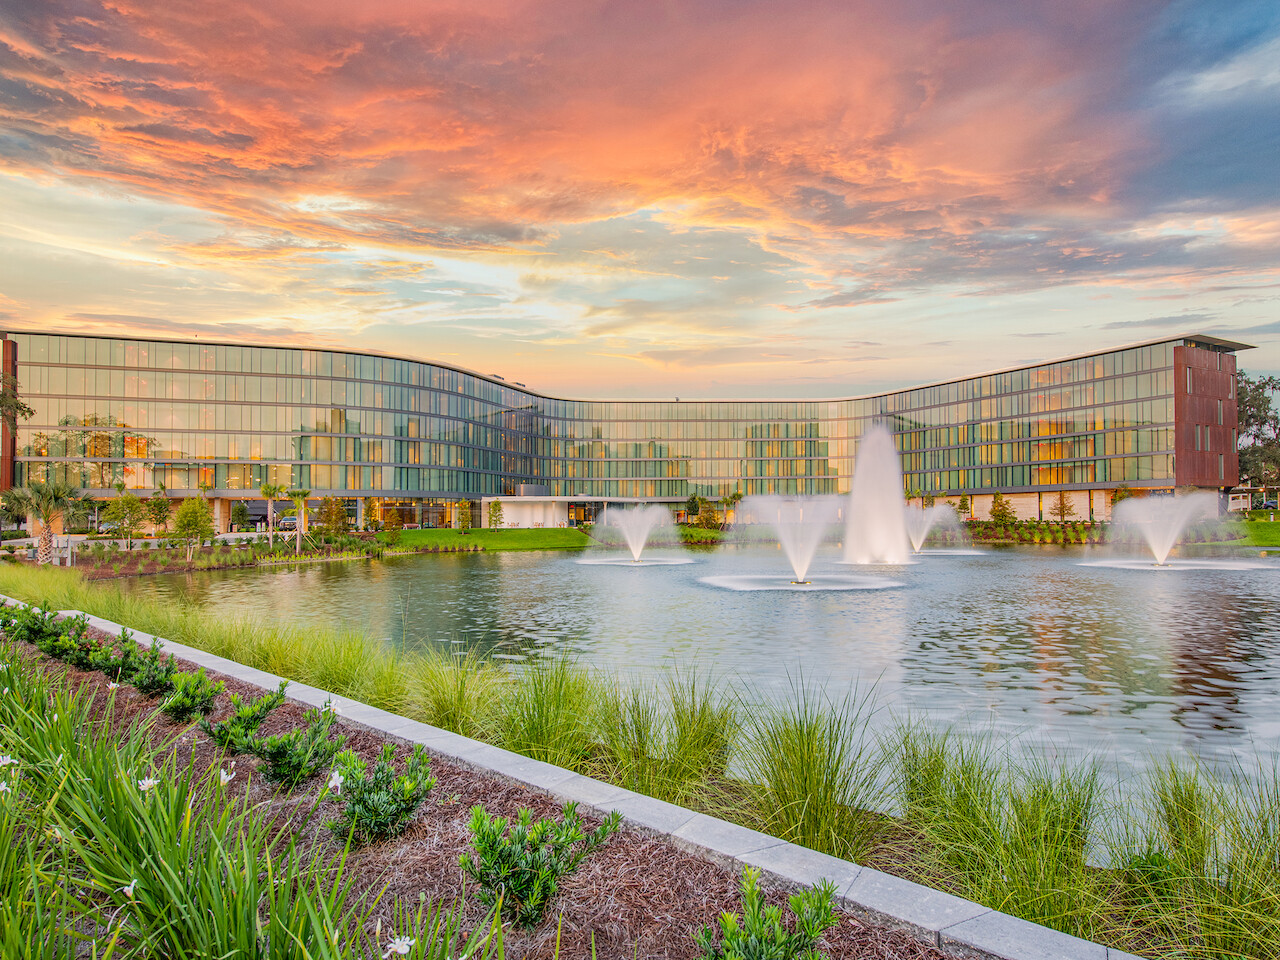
[1161,521]
[800,525]
[922,521]
[637,523]
[876,528]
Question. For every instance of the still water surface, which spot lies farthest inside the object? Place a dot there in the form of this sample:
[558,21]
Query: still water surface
[1053,656]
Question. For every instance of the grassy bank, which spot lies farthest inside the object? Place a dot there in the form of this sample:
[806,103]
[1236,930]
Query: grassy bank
[551,538]
[1194,870]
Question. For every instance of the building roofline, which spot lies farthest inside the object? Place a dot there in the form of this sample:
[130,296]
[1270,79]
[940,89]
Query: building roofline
[1231,345]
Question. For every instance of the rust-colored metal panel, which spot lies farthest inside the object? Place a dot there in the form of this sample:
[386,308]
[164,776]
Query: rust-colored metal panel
[1204,409]
[8,441]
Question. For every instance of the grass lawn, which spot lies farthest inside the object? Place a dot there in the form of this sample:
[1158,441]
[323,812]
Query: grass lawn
[1263,534]
[551,538]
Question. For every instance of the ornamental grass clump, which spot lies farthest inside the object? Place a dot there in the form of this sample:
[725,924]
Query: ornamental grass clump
[235,734]
[813,776]
[192,693]
[290,758]
[546,717]
[760,934]
[457,693]
[520,868]
[378,802]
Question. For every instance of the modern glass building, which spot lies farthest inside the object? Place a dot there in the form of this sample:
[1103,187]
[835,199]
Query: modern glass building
[419,436]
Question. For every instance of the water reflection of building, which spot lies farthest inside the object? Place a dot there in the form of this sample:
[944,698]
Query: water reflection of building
[423,436]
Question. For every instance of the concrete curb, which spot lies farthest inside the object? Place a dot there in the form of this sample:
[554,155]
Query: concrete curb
[956,926]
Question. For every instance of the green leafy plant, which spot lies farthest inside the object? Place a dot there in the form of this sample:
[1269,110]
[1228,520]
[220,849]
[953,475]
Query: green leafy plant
[29,624]
[192,693]
[522,867]
[299,754]
[761,934]
[69,641]
[377,803]
[235,733]
[119,665]
[154,673]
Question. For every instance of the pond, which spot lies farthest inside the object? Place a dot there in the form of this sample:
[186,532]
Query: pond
[1034,644]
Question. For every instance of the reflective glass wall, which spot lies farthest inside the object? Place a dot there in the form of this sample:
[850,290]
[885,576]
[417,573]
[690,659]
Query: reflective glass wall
[145,412]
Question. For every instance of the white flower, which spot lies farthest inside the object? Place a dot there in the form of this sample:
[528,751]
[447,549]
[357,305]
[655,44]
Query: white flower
[399,946]
[7,760]
[55,719]
[332,707]
[147,783]
[4,787]
[127,889]
[113,685]
[335,782]
[226,777]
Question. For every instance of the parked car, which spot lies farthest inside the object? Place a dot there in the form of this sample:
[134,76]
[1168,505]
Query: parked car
[106,526]
[287,523]
[1268,505]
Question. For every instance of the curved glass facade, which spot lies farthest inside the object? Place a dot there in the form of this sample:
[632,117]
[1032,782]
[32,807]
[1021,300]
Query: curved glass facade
[228,417]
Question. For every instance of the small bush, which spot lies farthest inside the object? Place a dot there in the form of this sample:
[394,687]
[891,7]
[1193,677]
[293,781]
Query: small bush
[761,932]
[376,802]
[29,624]
[522,867]
[154,673]
[120,666]
[235,734]
[192,693]
[299,754]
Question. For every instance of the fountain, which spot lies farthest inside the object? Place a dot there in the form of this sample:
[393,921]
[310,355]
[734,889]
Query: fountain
[921,521]
[637,524]
[1159,523]
[800,524]
[876,523]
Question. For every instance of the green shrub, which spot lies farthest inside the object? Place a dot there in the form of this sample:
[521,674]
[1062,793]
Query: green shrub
[523,866]
[69,642]
[29,624]
[154,673]
[377,803]
[120,666]
[235,734]
[761,934]
[299,754]
[192,693]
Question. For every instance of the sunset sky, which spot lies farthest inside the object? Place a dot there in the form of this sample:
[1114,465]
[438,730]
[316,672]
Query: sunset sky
[661,198]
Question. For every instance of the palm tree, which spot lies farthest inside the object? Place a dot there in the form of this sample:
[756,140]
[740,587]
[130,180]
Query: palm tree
[271,492]
[299,498]
[47,502]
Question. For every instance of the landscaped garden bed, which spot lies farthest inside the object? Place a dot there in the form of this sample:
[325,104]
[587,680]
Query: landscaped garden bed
[171,889]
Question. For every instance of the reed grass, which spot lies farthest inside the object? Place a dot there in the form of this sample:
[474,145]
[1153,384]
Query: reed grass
[548,714]
[813,774]
[457,693]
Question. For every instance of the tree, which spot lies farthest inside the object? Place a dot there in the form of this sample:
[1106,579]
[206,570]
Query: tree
[1061,508]
[1121,494]
[1002,510]
[11,406]
[464,516]
[271,492]
[193,523]
[963,506]
[693,507]
[158,508]
[1259,429]
[331,518]
[728,503]
[708,519]
[47,503]
[928,500]
[299,498]
[392,523]
[495,514]
[127,512]
[240,514]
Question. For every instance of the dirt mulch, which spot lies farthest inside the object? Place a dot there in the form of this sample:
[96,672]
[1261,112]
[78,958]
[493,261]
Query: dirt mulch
[636,897]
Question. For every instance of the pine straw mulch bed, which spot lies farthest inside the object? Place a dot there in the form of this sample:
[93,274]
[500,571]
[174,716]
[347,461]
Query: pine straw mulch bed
[638,896]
